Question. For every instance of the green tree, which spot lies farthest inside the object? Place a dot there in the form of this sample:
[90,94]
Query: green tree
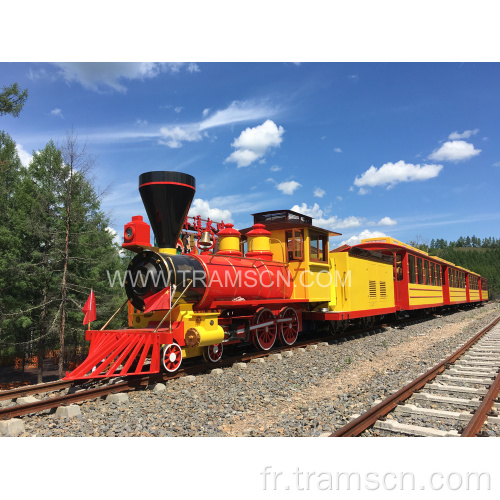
[40,219]
[12,100]
[67,249]
[10,167]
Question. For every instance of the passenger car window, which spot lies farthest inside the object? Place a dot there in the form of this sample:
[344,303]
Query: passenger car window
[420,270]
[411,268]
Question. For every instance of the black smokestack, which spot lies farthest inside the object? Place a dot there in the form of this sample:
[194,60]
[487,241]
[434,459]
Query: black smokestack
[167,197]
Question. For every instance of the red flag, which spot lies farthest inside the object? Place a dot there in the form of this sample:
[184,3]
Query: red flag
[159,301]
[89,309]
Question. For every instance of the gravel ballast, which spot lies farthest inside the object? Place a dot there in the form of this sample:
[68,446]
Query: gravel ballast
[310,393]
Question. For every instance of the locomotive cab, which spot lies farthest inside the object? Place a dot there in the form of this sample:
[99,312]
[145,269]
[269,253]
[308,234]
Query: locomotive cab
[304,249]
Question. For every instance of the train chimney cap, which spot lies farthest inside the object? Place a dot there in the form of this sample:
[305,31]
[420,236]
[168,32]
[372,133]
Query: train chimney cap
[167,197]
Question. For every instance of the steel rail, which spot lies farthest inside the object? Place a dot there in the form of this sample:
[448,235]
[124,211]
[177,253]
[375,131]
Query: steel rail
[84,395]
[28,390]
[367,419]
[481,414]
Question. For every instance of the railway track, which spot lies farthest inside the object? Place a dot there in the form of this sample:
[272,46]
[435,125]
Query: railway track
[466,384]
[89,390]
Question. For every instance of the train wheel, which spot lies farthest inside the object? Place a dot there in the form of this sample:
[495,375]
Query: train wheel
[264,337]
[289,329]
[212,353]
[171,357]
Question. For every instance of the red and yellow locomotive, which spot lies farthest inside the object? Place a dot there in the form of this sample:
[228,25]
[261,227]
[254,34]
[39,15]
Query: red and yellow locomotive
[260,285]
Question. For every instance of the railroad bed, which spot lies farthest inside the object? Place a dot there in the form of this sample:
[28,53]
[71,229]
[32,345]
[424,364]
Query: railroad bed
[461,400]
[309,392]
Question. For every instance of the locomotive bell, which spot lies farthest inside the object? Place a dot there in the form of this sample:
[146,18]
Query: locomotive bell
[205,240]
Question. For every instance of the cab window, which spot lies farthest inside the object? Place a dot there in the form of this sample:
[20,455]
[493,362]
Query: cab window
[295,244]
[317,247]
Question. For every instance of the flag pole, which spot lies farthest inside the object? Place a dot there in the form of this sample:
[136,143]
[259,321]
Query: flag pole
[118,310]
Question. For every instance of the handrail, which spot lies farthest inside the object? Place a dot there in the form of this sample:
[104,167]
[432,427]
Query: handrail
[172,307]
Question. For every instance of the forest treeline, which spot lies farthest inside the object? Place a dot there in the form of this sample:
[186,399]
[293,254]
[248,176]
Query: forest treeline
[55,245]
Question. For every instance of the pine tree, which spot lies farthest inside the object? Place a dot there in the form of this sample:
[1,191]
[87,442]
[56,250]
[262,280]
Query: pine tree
[67,249]
[40,217]
[10,166]
[12,100]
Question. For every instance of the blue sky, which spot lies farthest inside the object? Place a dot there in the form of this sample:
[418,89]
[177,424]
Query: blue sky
[404,149]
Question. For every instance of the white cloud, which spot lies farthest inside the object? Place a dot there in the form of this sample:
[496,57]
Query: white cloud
[57,112]
[313,211]
[288,187]
[206,111]
[141,123]
[393,173]
[338,150]
[354,78]
[24,156]
[193,68]
[339,198]
[464,135]
[238,111]
[175,136]
[260,138]
[319,193]
[333,223]
[496,164]
[202,207]
[275,168]
[242,157]
[354,240]
[363,191]
[102,76]
[178,109]
[387,221]
[254,142]
[454,151]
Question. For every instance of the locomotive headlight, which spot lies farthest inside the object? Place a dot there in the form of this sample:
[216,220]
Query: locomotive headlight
[129,233]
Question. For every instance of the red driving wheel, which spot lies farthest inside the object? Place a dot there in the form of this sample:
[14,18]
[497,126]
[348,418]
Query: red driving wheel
[213,353]
[289,329]
[171,357]
[265,335]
